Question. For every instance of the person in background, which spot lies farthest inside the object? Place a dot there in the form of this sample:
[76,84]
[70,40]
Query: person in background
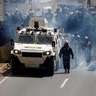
[65,52]
[49,17]
[87,49]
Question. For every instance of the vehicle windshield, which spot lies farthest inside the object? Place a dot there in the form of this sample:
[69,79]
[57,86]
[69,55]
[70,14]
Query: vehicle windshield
[44,39]
[25,39]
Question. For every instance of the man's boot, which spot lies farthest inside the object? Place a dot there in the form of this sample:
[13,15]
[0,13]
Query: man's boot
[68,71]
[65,71]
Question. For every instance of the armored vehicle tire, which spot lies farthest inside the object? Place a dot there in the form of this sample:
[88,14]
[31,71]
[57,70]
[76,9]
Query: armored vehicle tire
[14,65]
[51,66]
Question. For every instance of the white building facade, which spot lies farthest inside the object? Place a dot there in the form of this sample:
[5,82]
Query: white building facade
[1,10]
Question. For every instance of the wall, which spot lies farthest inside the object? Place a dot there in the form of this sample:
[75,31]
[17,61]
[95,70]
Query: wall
[93,2]
[1,10]
[5,53]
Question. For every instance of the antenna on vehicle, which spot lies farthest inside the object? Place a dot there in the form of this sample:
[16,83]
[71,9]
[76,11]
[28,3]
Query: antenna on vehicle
[36,25]
[55,30]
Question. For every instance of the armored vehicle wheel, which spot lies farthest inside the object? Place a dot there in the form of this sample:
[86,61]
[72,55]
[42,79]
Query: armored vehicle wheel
[51,66]
[14,65]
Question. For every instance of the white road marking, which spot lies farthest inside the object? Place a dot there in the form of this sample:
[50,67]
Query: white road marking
[64,82]
[3,80]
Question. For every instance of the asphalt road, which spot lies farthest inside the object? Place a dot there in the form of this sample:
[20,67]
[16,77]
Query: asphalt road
[77,83]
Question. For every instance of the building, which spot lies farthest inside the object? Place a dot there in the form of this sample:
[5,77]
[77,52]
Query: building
[10,6]
[1,10]
[71,2]
[93,2]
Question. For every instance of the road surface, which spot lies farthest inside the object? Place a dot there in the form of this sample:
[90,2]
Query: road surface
[77,83]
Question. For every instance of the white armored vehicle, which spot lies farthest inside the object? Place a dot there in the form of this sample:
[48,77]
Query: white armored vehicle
[36,46]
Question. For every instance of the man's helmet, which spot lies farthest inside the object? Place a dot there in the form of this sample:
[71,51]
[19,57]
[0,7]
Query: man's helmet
[66,43]
[86,37]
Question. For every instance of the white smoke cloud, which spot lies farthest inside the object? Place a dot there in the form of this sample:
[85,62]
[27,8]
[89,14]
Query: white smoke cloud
[85,25]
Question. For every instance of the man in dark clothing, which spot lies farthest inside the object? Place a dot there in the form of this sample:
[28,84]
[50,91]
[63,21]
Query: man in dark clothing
[65,52]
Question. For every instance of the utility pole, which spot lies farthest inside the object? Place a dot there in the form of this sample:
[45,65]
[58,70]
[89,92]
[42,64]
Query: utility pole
[54,5]
[36,5]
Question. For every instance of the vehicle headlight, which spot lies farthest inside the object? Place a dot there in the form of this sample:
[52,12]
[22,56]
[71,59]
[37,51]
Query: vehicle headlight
[47,53]
[17,52]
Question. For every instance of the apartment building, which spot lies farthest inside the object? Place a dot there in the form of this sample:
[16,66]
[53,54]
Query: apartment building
[1,10]
[93,2]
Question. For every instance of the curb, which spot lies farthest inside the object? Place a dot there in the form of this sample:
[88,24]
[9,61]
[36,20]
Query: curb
[3,67]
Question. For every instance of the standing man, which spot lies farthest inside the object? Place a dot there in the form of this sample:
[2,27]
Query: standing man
[87,50]
[49,17]
[65,52]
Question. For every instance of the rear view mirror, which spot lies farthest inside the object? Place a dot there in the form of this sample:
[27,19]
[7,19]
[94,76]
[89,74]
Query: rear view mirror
[53,43]
[12,42]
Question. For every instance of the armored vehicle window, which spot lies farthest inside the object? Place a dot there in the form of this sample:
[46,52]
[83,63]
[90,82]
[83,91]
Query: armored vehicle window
[45,39]
[25,39]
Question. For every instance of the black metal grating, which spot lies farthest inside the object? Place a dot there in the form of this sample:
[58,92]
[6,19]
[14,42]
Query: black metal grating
[27,54]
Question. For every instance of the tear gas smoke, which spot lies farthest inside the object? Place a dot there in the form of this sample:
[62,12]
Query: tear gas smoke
[76,20]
